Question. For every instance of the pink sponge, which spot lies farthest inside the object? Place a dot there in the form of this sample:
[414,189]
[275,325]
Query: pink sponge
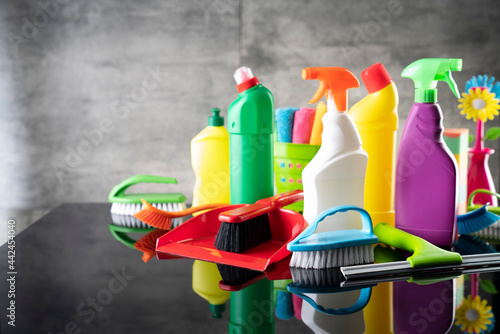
[302,125]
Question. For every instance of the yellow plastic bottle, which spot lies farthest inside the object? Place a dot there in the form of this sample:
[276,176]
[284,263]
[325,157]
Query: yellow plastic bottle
[210,161]
[376,119]
[206,278]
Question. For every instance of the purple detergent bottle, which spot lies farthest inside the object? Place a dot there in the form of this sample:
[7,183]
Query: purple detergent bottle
[426,171]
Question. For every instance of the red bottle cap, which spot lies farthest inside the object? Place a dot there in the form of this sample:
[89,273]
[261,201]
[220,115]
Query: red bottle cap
[375,78]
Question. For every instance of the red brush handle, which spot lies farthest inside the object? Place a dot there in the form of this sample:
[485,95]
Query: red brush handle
[261,207]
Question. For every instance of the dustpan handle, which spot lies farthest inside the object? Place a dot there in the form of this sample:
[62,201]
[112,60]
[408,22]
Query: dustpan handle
[365,219]
[363,299]
[483,191]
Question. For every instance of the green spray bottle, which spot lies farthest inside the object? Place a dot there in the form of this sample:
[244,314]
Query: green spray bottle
[250,126]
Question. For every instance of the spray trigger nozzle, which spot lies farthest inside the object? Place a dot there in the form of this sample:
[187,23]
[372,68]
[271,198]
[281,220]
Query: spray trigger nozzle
[336,80]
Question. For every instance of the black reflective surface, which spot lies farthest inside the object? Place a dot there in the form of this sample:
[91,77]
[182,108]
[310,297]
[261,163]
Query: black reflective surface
[74,277]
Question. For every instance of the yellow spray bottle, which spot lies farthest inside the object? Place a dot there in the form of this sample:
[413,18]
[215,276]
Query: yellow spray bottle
[376,119]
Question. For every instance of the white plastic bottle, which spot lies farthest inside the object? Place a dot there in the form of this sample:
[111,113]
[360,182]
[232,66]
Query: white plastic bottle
[336,174]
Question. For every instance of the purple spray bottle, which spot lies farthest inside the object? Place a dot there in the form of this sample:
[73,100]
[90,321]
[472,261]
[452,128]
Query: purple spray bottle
[426,172]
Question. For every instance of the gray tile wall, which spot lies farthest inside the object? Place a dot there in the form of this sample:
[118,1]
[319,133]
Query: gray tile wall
[83,69]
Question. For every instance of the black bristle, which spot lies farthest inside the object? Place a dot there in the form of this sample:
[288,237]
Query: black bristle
[239,237]
[236,276]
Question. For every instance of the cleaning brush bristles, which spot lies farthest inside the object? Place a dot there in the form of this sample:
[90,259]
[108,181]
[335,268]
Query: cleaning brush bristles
[476,220]
[239,237]
[316,278]
[123,213]
[167,220]
[331,258]
[249,226]
[147,244]
[334,248]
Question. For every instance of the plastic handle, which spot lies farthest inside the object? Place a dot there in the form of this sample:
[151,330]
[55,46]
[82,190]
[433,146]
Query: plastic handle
[262,207]
[119,189]
[365,219]
[119,233]
[483,191]
[424,253]
[364,298]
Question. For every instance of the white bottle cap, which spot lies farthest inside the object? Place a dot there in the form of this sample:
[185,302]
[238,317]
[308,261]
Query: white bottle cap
[243,74]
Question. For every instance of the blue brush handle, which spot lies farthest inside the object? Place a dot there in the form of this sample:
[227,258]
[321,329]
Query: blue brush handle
[345,238]
[364,298]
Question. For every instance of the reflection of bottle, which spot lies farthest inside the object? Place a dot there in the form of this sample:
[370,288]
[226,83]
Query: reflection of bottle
[206,278]
[426,172]
[321,323]
[210,161]
[426,309]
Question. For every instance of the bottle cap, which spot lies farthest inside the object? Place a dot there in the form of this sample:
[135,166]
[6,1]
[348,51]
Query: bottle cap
[244,79]
[217,310]
[215,119]
[375,78]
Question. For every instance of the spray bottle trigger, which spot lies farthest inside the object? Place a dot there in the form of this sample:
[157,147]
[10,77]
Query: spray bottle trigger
[319,93]
[446,77]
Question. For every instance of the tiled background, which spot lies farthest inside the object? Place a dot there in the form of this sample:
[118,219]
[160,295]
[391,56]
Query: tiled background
[71,69]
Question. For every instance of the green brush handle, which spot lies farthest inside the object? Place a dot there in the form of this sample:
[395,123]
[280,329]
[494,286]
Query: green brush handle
[117,194]
[482,191]
[424,253]
[120,234]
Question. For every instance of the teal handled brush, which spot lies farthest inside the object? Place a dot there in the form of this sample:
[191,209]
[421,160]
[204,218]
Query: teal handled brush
[476,220]
[334,248]
[124,206]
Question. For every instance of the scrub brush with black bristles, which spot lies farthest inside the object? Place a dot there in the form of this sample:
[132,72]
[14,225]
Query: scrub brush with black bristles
[124,206]
[334,248]
[249,226]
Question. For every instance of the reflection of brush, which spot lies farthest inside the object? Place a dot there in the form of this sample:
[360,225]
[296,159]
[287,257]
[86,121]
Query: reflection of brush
[126,205]
[334,248]
[249,226]
[468,244]
[147,244]
[164,219]
[476,220]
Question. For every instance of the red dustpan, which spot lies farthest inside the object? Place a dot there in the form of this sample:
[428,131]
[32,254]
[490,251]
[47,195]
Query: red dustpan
[195,238]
